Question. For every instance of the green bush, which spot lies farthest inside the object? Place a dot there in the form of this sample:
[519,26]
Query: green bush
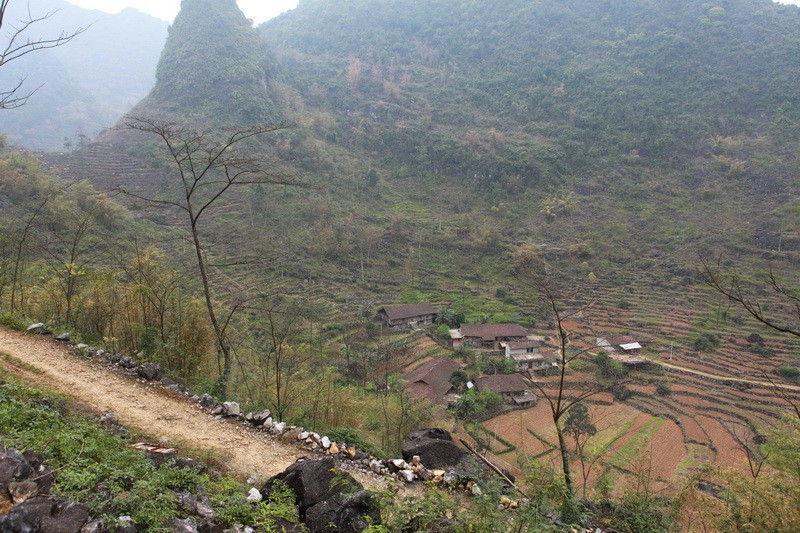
[706,341]
[11,321]
[789,372]
[662,389]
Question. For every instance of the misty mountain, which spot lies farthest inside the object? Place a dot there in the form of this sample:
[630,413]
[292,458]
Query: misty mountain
[87,84]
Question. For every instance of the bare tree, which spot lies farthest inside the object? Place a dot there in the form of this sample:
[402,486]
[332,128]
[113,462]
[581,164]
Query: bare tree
[18,44]
[282,361]
[207,167]
[560,401]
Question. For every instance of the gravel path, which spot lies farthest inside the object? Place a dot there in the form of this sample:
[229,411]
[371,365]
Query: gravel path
[166,416]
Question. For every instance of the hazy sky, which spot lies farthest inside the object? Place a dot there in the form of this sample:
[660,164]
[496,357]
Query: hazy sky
[258,10]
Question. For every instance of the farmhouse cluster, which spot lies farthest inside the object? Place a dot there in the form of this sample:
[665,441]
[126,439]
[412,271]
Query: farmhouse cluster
[528,355]
[433,379]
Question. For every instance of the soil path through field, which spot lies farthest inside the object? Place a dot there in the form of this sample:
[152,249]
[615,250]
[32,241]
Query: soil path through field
[728,378]
[150,410]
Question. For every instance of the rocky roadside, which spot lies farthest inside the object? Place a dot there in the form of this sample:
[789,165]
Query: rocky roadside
[423,461]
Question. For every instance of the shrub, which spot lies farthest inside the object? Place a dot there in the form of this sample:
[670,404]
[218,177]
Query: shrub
[662,389]
[11,321]
[706,341]
[621,393]
[789,372]
[624,304]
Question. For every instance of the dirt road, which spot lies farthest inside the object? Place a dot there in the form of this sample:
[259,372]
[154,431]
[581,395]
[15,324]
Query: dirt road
[151,410]
[719,377]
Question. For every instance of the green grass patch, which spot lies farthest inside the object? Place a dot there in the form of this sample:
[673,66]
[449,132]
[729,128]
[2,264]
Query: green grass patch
[637,442]
[19,363]
[606,438]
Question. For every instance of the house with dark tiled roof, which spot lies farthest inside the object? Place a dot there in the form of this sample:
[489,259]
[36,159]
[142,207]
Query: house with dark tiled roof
[488,335]
[432,379]
[512,387]
[408,316]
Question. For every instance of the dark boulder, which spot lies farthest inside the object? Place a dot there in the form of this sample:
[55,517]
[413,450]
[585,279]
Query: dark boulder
[207,401]
[64,337]
[18,468]
[351,517]
[17,523]
[149,371]
[53,514]
[327,498]
[435,448]
[127,362]
[314,482]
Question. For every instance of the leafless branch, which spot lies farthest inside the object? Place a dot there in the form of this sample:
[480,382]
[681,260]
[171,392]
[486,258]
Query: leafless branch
[731,287]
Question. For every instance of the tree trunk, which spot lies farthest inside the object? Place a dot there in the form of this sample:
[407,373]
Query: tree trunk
[562,444]
[221,387]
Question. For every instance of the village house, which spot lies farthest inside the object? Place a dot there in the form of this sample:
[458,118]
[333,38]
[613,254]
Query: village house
[624,343]
[622,348]
[408,316]
[432,380]
[512,387]
[525,355]
[487,335]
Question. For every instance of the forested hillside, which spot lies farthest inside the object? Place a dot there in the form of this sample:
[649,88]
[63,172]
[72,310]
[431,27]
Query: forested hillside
[213,67]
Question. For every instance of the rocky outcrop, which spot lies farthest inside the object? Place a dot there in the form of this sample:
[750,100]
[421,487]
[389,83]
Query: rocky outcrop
[434,447]
[327,498]
[25,500]
[149,371]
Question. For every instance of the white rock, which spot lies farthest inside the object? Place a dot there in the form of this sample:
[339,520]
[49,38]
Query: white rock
[82,346]
[399,463]
[35,326]
[280,427]
[408,475]
[254,495]
[476,490]
[326,443]
[303,436]
[268,421]
[375,466]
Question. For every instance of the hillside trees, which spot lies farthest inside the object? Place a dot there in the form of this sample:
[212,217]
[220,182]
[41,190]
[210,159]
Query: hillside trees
[207,166]
[18,44]
[75,238]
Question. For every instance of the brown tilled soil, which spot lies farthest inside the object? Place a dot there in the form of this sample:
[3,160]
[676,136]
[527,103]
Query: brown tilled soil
[166,416]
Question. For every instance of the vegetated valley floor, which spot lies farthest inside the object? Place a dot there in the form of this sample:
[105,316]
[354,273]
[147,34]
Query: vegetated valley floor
[151,410]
